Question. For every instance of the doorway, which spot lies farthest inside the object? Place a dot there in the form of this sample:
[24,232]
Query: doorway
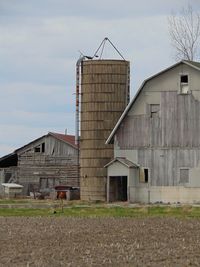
[118,188]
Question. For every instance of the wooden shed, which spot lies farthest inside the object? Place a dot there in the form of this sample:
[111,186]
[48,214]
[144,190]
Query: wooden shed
[42,164]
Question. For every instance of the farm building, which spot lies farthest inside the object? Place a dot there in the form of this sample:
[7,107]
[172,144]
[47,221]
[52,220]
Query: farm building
[42,164]
[157,140]
[104,96]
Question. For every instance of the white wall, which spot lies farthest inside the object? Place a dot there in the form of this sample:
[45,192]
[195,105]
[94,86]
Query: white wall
[168,81]
[117,169]
[165,194]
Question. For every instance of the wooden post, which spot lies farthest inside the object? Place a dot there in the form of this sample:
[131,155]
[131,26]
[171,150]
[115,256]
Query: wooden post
[108,189]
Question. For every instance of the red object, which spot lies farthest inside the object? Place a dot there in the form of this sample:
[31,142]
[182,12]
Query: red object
[61,194]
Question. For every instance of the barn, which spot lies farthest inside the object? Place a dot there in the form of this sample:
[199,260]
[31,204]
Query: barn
[40,165]
[157,140]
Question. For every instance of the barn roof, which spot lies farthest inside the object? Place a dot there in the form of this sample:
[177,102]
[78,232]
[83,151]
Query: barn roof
[193,64]
[12,185]
[123,161]
[8,160]
[69,139]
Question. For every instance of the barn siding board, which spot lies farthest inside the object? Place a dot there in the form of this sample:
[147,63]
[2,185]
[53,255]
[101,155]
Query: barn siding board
[165,164]
[178,125]
[166,143]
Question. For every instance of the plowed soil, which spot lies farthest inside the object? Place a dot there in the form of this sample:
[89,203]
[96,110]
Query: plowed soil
[64,241]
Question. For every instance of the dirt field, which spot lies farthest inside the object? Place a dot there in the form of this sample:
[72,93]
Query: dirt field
[63,241]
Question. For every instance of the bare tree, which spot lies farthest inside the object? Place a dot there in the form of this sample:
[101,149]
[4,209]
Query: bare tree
[184,30]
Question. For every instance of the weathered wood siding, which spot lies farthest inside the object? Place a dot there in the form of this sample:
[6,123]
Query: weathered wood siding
[56,165]
[165,164]
[169,141]
[166,143]
[178,125]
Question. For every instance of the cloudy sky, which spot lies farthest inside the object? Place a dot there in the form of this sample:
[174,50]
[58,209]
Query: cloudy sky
[39,46]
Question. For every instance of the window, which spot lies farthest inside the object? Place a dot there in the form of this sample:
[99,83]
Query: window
[184,87]
[154,109]
[184,78]
[43,147]
[37,149]
[146,175]
[184,176]
[40,148]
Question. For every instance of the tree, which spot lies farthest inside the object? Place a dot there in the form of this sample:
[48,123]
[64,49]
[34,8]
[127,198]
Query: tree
[184,30]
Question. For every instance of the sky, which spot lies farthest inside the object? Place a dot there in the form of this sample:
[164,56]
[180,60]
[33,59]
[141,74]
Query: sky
[39,46]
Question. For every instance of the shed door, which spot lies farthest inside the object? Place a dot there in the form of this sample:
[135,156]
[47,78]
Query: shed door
[118,188]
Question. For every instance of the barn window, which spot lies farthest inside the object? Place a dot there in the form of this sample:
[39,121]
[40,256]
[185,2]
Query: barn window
[154,109]
[37,149]
[40,148]
[184,176]
[184,87]
[43,147]
[146,175]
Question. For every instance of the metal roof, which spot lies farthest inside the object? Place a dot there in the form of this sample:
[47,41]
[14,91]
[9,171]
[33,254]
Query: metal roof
[124,161]
[69,139]
[12,185]
[193,64]
[9,160]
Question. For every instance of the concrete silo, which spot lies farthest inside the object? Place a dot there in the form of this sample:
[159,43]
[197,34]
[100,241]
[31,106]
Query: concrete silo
[104,96]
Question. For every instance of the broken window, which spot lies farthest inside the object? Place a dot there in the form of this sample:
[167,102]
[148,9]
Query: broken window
[184,176]
[144,175]
[40,148]
[154,109]
[184,87]
[37,149]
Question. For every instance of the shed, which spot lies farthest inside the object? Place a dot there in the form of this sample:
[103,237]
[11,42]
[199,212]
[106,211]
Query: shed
[12,189]
[43,163]
[119,178]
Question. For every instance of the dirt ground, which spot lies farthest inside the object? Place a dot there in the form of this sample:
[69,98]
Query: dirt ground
[64,241]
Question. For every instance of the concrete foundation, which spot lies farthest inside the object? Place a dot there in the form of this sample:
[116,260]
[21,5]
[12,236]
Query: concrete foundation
[165,194]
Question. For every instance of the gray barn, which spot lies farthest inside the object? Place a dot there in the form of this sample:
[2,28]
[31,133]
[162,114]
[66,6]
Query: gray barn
[157,140]
[40,165]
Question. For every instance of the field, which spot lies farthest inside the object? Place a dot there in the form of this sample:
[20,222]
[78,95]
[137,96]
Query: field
[42,234]
[100,236]
[64,241]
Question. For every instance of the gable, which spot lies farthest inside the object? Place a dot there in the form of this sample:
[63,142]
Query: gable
[50,144]
[151,89]
[168,81]
[118,169]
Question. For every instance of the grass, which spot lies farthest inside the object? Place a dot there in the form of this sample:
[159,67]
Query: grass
[13,201]
[105,211]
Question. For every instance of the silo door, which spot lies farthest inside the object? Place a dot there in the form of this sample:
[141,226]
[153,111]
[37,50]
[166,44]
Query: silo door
[118,188]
